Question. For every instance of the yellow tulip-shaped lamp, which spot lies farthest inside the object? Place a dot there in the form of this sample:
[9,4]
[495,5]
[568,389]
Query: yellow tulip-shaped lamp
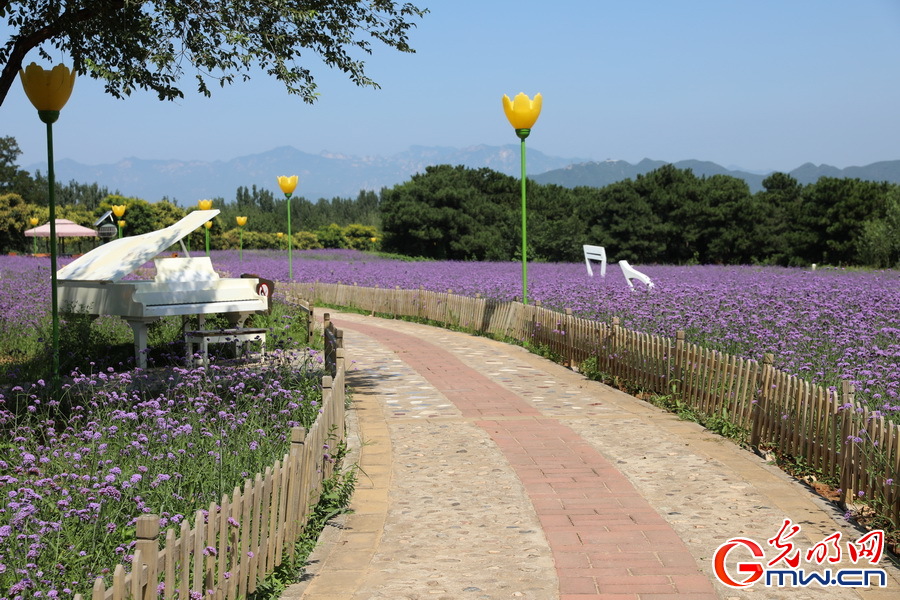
[288,185]
[206,205]
[241,221]
[119,211]
[49,91]
[522,112]
[208,226]
[34,222]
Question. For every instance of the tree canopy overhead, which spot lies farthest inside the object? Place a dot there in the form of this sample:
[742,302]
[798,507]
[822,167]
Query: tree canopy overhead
[152,45]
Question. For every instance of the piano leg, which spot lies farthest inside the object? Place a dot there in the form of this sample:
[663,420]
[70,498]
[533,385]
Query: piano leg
[139,327]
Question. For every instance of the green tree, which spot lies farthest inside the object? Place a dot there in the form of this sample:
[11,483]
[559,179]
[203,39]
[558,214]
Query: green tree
[621,220]
[14,213]
[147,45]
[452,213]
[305,240]
[836,209]
[676,196]
[13,179]
[555,233]
[332,236]
[89,195]
[360,237]
[731,232]
[780,222]
[139,218]
[9,156]
[879,241]
[164,213]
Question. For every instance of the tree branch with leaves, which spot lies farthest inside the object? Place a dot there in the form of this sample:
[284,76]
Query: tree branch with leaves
[154,45]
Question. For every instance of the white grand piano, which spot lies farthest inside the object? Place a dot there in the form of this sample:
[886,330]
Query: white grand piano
[93,284]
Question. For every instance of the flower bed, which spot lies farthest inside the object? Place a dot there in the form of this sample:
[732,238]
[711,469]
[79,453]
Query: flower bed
[79,468]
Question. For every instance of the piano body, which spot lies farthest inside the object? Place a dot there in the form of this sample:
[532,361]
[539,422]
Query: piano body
[93,283]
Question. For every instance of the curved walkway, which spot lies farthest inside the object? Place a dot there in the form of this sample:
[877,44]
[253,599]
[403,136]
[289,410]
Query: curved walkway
[488,473]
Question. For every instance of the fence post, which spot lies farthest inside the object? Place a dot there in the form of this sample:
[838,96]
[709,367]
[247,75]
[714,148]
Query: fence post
[147,533]
[677,373]
[614,361]
[327,405]
[567,339]
[338,408]
[848,406]
[297,479]
[447,308]
[333,339]
[420,301]
[762,396]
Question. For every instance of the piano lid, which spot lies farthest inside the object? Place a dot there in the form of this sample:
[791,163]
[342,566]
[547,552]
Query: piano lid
[114,260]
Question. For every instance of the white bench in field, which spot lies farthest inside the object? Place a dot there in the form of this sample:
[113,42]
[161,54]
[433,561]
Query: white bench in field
[631,273]
[595,253]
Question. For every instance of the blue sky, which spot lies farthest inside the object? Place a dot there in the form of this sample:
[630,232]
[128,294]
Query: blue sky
[760,84]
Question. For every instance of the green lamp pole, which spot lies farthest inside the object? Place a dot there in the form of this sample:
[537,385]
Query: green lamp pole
[34,222]
[522,112]
[288,185]
[241,221]
[206,205]
[49,91]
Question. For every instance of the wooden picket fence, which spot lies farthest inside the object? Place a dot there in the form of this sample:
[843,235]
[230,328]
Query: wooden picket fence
[825,429]
[236,542]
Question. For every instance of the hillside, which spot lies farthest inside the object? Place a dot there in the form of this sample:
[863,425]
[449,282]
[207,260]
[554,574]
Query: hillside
[329,175]
[601,174]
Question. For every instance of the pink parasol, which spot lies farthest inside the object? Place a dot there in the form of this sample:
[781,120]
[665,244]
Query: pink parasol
[64,228]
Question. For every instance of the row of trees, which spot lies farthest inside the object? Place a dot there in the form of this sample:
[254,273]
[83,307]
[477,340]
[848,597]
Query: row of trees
[141,217]
[336,223]
[667,216]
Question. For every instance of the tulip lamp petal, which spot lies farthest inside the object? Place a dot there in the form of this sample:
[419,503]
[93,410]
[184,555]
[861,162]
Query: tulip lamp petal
[522,111]
[47,90]
[287,184]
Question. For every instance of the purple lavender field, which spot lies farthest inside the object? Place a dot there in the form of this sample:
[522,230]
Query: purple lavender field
[824,325]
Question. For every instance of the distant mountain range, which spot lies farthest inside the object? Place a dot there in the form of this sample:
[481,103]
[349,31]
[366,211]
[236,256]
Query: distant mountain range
[324,175]
[329,175]
[601,174]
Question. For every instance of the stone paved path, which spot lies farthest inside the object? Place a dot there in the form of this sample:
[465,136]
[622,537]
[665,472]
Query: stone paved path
[490,473]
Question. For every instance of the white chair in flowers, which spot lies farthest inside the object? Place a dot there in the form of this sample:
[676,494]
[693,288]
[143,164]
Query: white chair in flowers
[631,273]
[595,253]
